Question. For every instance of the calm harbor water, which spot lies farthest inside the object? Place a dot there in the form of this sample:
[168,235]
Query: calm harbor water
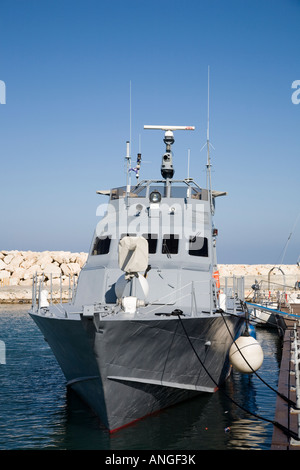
[37,412]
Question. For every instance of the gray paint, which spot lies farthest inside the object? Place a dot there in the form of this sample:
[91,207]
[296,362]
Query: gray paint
[128,365]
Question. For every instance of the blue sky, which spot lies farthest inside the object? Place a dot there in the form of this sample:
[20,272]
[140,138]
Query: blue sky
[68,65]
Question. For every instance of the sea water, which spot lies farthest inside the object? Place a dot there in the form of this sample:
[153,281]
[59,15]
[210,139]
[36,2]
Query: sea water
[37,412]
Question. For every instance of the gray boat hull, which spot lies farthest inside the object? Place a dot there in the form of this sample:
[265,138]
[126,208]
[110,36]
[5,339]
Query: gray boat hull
[127,369]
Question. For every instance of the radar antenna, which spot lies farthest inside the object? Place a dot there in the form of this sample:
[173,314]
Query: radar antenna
[167,170]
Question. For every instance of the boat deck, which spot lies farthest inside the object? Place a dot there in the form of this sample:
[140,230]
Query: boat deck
[285,414]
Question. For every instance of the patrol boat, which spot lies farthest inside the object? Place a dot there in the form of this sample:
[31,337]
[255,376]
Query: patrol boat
[144,329]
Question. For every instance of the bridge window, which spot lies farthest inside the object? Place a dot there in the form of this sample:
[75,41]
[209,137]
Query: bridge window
[101,246]
[152,242]
[170,244]
[198,246]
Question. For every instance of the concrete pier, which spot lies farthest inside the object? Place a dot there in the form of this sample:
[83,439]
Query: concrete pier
[286,414]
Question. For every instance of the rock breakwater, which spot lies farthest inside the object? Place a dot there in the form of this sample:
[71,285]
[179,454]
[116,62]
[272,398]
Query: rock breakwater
[259,270]
[17,269]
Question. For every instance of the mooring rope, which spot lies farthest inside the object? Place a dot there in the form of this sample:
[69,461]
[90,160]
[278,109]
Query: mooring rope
[290,402]
[285,430]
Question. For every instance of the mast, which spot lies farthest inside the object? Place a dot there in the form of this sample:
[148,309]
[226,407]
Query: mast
[209,187]
[128,150]
[208,164]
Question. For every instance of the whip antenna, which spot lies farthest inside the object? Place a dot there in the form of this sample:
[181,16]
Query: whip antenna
[208,164]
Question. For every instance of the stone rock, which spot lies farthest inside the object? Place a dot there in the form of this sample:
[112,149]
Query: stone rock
[31,260]
[4,274]
[14,263]
[70,268]
[81,259]
[18,273]
[73,257]
[65,269]
[61,256]
[74,268]
[2,265]
[30,272]
[8,258]
[45,260]
[53,269]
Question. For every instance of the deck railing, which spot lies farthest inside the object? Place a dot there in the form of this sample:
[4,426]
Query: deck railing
[50,291]
[47,291]
[273,292]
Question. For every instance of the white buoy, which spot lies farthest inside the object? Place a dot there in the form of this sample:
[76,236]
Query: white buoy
[246,355]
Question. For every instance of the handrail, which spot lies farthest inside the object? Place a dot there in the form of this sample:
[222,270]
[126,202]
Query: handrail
[56,291]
